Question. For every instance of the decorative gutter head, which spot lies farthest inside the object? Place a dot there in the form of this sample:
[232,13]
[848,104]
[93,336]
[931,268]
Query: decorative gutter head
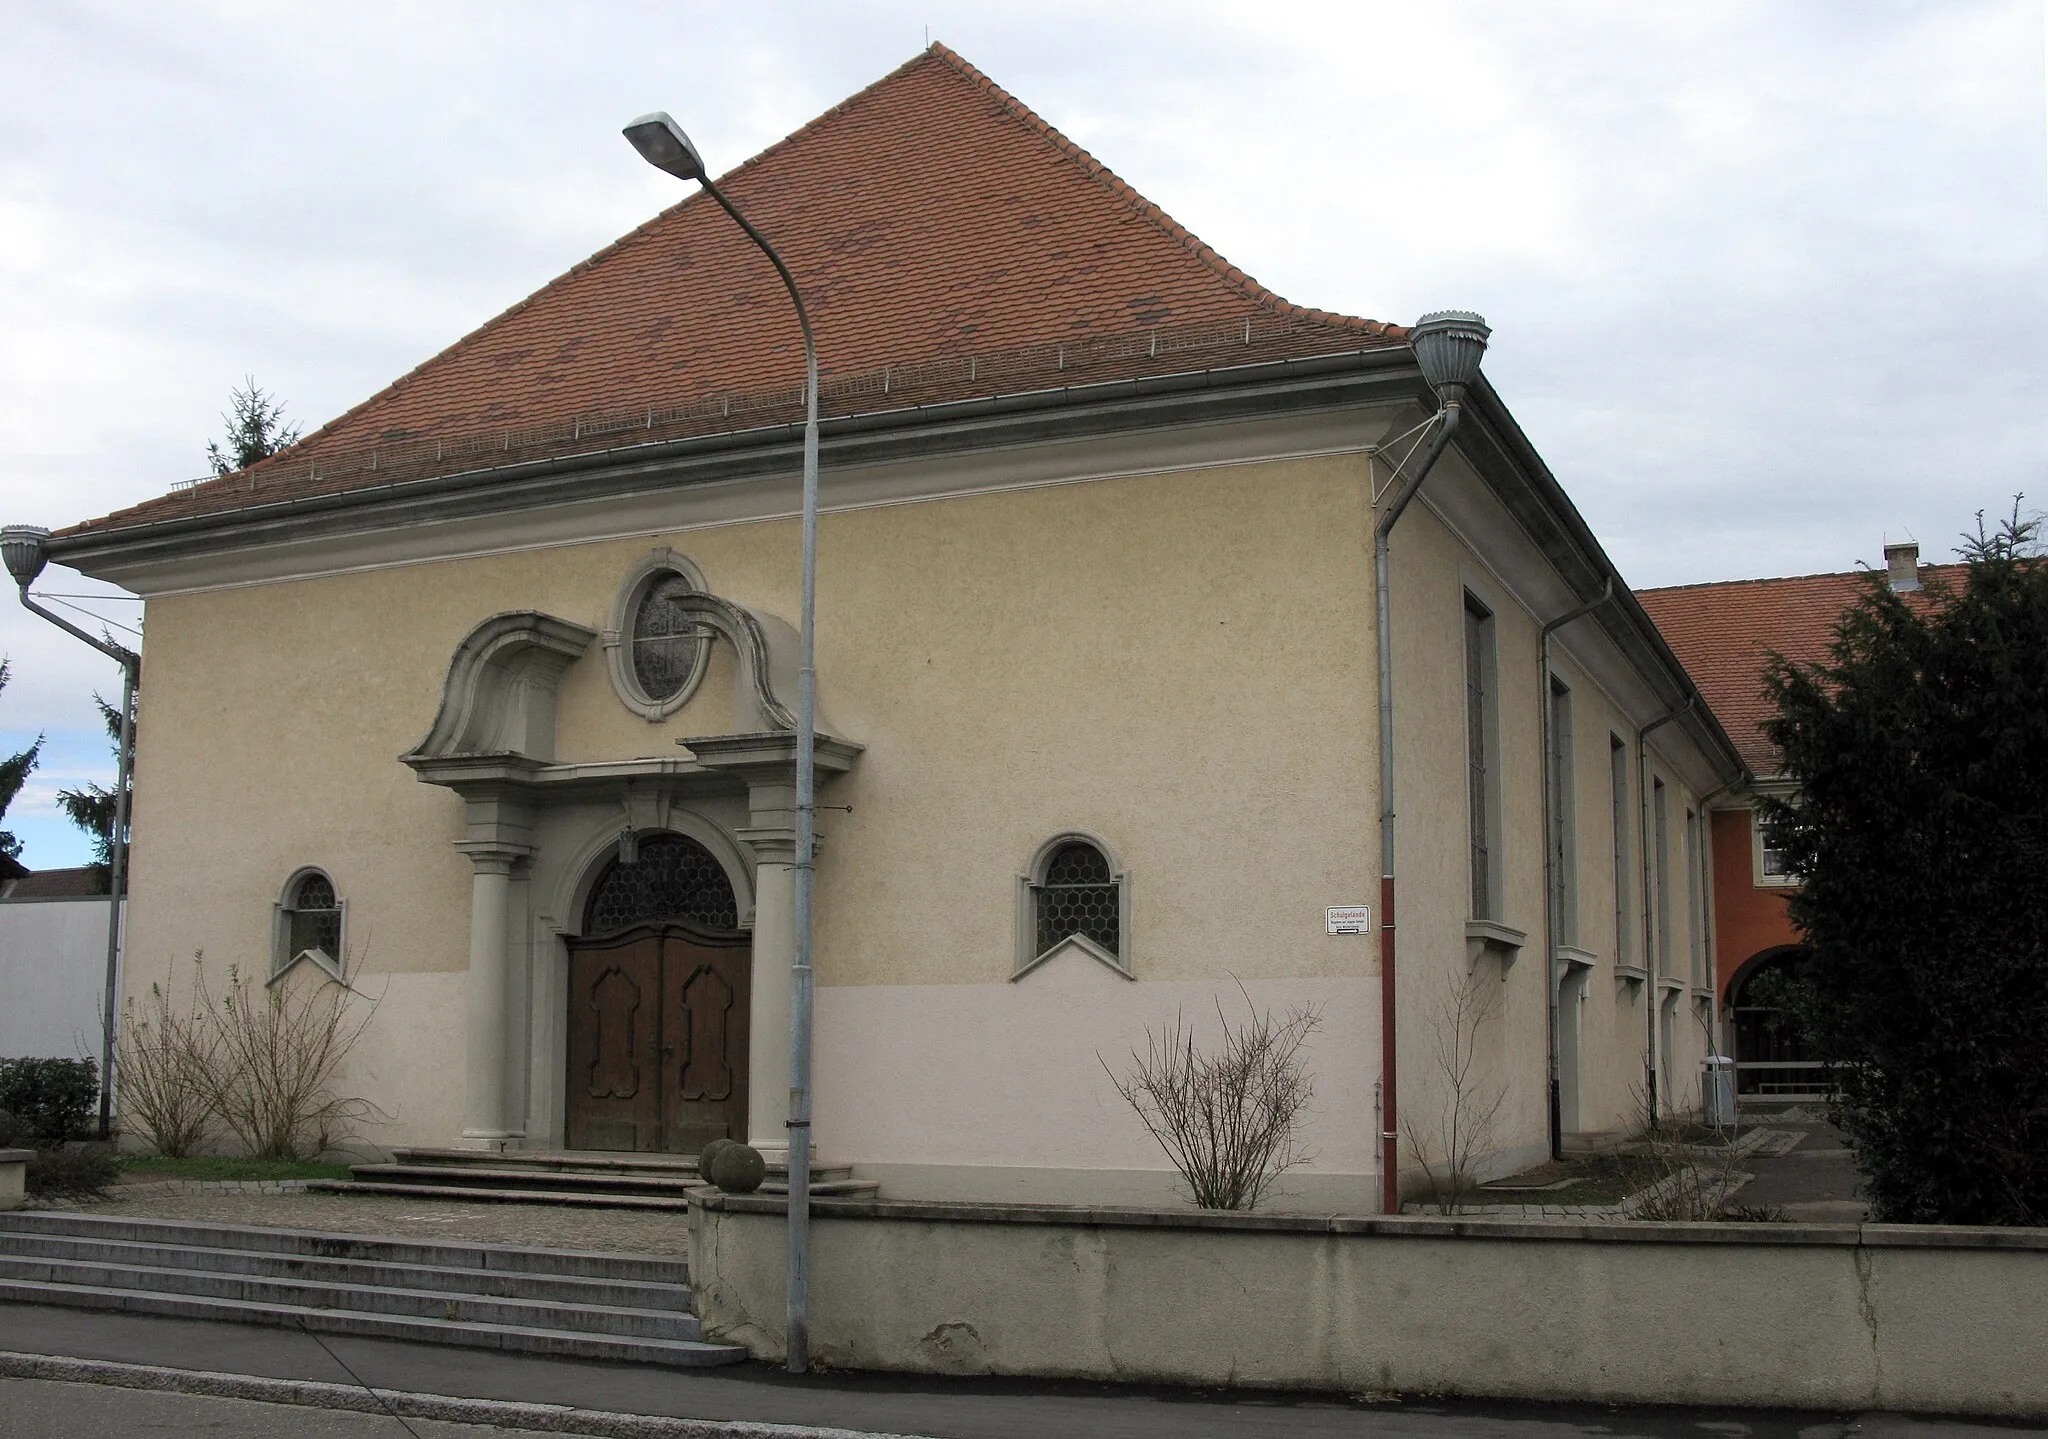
[25,548]
[1449,345]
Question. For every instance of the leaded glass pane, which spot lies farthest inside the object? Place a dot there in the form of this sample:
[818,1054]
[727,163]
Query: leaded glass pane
[317,929]
[1077,897]
[674,878]
[316,891]
[666,640]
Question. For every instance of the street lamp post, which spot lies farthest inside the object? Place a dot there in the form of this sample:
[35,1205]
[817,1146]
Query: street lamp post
[662,143]
[25,550]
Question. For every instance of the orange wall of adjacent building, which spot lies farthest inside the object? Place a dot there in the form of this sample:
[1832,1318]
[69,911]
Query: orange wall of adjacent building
[1747,917]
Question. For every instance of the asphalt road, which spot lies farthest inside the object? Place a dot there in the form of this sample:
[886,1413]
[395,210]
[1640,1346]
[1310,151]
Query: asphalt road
[891,1404]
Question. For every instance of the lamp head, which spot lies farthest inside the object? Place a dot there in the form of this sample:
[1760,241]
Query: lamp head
[1449,345]
[25,548]
[662,144]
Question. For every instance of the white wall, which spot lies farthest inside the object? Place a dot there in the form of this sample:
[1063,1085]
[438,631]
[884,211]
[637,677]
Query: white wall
[53,975]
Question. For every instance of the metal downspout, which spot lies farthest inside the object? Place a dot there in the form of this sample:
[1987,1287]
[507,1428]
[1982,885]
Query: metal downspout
[1390,1168]
[1652,960]
[1551,857]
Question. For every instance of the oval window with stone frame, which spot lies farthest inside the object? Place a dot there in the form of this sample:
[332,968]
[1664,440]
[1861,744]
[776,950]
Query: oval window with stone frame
[656,650]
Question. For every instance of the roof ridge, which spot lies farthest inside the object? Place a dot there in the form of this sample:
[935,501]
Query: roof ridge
[1148,209]
[1235,278]
[1867,569]
[589,262]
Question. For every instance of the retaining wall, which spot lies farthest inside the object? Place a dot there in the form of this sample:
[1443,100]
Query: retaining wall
[1947,1320]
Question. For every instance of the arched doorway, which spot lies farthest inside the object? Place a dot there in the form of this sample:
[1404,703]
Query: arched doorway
[658,1005]
[1772,1061]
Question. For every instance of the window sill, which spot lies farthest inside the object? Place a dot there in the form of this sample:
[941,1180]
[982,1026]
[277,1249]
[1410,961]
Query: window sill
[1485,937]
[1568,959]
[1631,974]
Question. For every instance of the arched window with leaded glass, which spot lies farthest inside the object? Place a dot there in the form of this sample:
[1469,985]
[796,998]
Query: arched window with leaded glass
[656,651]
[311,924]
[1073,896]
[670,877]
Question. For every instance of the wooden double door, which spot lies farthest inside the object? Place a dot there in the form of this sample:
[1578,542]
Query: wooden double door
[657,1039]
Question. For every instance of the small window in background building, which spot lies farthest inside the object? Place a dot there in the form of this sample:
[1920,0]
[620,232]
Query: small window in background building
[1771,867]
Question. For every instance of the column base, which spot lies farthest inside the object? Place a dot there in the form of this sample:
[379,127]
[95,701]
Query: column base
[489,1140]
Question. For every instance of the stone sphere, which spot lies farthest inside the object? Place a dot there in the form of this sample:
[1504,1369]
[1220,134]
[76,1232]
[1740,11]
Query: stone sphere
[708,1153]
[737,1169]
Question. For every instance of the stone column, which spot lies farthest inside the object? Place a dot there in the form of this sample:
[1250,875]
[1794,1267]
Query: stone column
[772,838]
[488,1122]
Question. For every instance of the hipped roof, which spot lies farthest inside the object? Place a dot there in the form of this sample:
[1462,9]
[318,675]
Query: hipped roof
[1725,632]
[929,220]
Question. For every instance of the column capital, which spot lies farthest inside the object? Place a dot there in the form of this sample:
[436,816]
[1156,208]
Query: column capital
[491,856]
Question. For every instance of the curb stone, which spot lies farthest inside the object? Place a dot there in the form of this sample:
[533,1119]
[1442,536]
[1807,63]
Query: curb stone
[505,1414]
[156,1188]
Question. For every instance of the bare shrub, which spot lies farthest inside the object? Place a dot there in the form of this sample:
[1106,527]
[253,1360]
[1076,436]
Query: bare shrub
[1462,1131]
[281,1048]
[166,1061]
[1694,1181]
[1225,1117]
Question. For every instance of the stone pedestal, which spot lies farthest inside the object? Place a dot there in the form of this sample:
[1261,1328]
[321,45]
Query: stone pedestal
[14,1176]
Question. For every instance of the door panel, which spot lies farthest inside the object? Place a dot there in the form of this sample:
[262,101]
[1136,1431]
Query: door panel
[704,1040]
[657,1040]
[614,1039]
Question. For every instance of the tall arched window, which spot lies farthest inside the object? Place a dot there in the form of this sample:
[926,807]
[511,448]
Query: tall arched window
[1073,896]
[671,877]
[310,924]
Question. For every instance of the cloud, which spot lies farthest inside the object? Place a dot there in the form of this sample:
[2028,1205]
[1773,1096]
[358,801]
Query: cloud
[1768,279]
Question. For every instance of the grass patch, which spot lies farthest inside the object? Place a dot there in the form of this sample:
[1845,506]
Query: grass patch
[213,1166]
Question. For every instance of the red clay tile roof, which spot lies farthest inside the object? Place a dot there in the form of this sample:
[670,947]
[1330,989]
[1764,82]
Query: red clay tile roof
[931,217]
[1723,631]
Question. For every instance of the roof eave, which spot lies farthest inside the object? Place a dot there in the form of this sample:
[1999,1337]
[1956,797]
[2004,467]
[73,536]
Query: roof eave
[1314,381]
[1525,484]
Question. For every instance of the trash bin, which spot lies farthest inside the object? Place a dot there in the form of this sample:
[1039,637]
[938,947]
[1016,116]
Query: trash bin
[1717,1091]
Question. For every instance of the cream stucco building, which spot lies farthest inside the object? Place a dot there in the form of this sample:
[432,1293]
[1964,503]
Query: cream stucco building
[487,685]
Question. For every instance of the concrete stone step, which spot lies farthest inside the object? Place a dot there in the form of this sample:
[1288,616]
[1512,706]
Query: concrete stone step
[354,1298]
[512,1338]
[257,1264]
[476,1176]
[593,1264]
[596,1199]
[575,1197]
[586,1161]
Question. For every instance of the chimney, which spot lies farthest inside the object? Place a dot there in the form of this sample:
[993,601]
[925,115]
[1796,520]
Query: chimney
[1902,565]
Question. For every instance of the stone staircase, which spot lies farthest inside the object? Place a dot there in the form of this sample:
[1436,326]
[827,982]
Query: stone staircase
[630,1307]
[582,1177]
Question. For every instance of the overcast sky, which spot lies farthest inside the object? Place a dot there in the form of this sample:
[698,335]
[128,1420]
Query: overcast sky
[1766,279]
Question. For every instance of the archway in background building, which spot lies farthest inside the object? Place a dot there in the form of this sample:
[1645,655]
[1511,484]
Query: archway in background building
[1772,1060]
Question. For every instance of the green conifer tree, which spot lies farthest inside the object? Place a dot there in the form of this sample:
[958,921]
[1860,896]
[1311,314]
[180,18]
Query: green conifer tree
[256,430]
[1920,836]
[91,806]
[14,773]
